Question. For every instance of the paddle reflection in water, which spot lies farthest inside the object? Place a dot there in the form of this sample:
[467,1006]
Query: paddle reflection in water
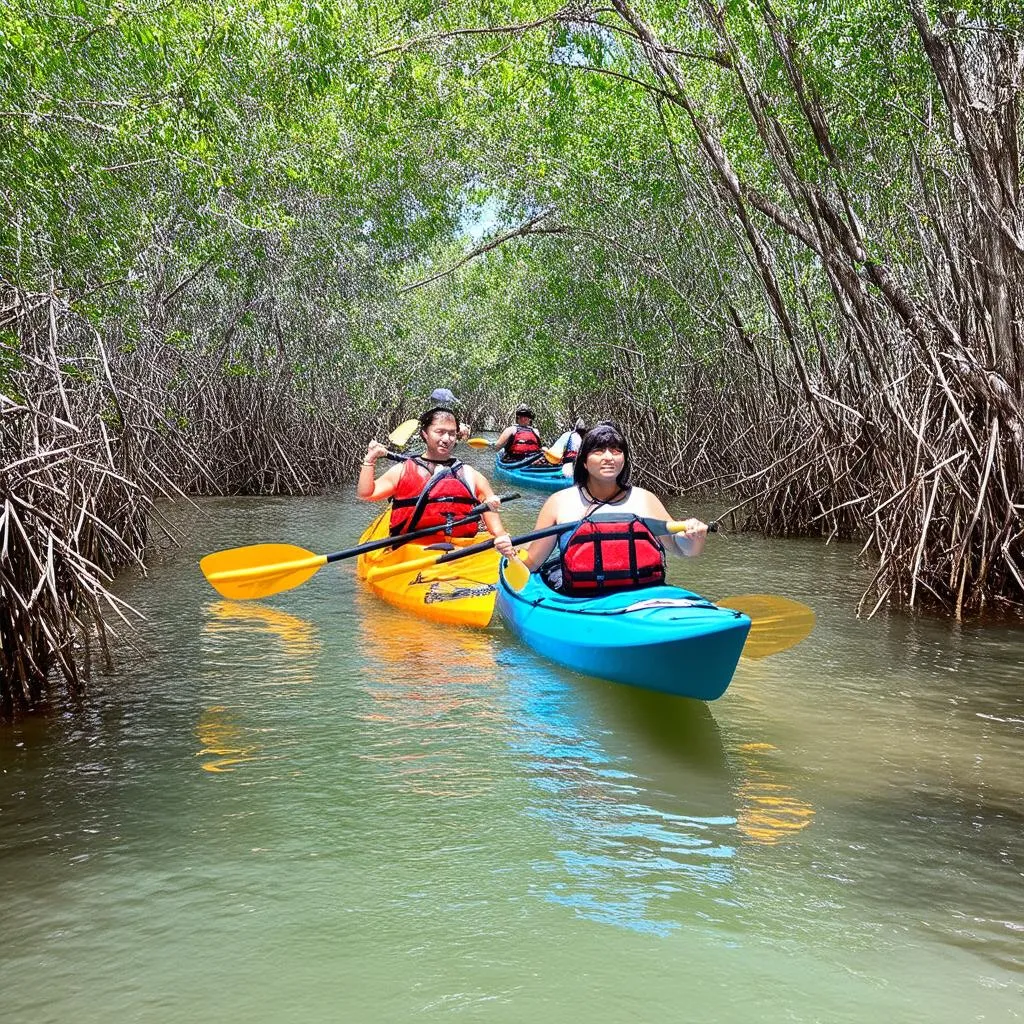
[636,789]
[770,811]
[223,740]
[254,623]
[434,714]
[237,634]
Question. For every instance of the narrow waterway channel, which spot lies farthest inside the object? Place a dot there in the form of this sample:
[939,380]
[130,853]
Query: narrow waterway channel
[316,808]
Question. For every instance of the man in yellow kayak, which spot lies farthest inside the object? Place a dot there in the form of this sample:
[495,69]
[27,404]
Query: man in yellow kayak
[435,488]
[521,440]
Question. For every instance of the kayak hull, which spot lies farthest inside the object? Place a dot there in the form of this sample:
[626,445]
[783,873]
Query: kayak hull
[459,593]
[658,638]
[541,478]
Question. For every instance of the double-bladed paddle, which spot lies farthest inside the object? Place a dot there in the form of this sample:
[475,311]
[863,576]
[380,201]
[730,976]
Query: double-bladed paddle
[259,570]
[383,572]
[777,623]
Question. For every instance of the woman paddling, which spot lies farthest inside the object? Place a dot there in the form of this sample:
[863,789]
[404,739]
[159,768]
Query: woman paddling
[612,548]
[434,489]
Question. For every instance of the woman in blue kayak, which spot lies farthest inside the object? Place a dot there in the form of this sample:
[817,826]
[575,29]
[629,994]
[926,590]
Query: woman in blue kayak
[612,548]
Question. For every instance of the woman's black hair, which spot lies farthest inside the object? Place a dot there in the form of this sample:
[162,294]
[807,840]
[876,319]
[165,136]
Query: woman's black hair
[427,419]
[605,434]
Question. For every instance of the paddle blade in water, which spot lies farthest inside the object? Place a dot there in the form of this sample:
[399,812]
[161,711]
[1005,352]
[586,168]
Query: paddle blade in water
[516,573]
[401,434]
[777,623]
[259,569]
[478,442]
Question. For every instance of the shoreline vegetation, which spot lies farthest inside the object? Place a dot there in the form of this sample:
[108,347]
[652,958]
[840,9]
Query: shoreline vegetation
[236,243]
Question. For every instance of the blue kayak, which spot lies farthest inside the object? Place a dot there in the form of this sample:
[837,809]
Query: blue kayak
[658,638]
[544,477]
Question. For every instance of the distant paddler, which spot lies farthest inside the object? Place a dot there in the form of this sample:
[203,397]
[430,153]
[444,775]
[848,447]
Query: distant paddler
[570,446]
[518,442]
[435,488]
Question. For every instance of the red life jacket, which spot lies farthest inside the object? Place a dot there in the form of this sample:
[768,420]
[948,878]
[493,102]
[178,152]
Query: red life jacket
[602,556]
[569,452]
[525,441]
[439,501]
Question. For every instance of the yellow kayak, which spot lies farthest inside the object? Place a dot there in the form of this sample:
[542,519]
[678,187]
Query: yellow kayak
[460,592]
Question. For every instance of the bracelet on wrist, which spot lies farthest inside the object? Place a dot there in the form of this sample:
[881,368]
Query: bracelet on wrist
[370,464]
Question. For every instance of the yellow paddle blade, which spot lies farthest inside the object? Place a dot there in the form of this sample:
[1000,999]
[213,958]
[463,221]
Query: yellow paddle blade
[259,569]
[516,573]
[552,458]
[777,623]
[401,434]
[479,442]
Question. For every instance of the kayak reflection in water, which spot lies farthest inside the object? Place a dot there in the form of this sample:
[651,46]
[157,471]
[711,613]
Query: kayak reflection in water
[614,550]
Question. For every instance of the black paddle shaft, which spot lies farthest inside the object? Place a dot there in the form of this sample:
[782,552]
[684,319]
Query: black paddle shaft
[537,460]
[486,545]
[427,531]
[551,531]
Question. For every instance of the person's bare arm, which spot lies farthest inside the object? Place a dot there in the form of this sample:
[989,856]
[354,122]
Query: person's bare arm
[369,489]
[690,542]
[483,490]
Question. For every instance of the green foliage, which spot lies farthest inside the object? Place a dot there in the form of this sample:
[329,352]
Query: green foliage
[257,179]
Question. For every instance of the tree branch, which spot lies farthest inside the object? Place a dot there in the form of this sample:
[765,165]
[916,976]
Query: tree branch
[528,227]
[487,30]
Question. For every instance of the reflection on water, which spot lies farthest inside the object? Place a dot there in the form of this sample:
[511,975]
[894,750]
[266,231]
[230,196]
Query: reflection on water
[247,626]
[627,851]
[320,807]
[770,810]
[432,698]
[280,649]
[222,739]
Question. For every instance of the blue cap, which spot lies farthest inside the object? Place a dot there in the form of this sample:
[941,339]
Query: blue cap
[444,396]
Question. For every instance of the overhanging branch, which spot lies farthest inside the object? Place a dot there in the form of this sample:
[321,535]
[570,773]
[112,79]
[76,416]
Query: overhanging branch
[528,227]
[565,13]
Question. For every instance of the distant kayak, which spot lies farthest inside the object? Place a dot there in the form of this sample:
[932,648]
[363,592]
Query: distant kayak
[542,477]
[658,638]
[460,593]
